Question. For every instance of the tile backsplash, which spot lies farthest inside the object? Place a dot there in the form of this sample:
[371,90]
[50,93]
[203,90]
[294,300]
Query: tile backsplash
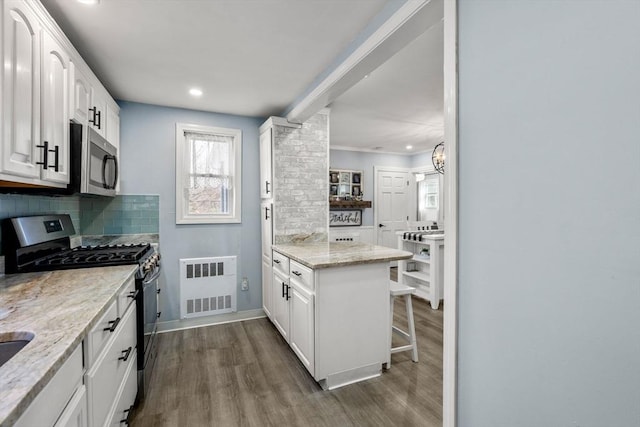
[123,214]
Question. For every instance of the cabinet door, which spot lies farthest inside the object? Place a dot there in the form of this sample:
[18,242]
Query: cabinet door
[55,110]
[80,98]
[267,292]
[267,228]
[302,326]
[266,187]
[75,414]
[113,126]
[98,111]
[280,313]
[20,92]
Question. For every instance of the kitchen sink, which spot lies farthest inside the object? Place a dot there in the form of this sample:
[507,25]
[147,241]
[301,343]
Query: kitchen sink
[11,343]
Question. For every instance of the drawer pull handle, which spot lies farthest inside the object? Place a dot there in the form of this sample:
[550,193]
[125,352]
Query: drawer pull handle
[126,352]
[297,273]
[132,294]
[114,325]
[127,413]
[276,261]
[283,292]
[288,297]
[159,313]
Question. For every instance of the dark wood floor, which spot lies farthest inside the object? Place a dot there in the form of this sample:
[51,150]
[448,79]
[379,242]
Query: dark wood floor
[244,374]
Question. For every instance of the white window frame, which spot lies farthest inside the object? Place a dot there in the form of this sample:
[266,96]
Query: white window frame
[182,154]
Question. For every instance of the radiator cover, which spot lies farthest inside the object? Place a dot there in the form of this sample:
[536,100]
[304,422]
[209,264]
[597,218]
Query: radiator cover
[207,286]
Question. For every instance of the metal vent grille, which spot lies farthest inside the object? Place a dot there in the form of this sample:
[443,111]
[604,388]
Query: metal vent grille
[207,286]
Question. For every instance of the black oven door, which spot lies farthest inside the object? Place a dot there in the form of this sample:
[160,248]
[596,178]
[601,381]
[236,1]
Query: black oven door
[147,317]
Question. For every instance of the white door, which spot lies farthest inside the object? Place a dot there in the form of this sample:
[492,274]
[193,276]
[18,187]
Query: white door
[391,205]
[20,92]
[302,326]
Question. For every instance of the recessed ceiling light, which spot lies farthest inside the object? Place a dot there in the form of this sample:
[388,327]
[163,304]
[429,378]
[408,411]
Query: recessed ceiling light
[91,2]
[194,91]
[409,147]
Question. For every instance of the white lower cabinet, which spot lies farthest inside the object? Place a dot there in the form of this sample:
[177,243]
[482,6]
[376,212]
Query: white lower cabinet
[75,414]
[301,325]
[293,307]
[267,293]
[280,301]
[126,397]
[57,401]
[107,376]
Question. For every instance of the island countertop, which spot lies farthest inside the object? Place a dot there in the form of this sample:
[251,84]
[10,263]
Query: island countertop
[339,254]
[58,308]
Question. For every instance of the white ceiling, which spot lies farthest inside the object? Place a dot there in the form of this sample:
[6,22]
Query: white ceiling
[254,58]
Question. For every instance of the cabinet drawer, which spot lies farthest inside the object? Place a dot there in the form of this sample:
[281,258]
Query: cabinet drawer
[126,398]
[301,274]
[126,297]
[281,263]
[105,377]
[100,333]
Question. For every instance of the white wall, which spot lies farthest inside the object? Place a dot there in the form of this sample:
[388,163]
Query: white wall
[549,225]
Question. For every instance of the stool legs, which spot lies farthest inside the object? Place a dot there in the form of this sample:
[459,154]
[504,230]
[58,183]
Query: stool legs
[412,328]
[409,335]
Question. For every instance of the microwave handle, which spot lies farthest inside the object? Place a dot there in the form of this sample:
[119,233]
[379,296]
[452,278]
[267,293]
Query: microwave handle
[105,159]
[115,172]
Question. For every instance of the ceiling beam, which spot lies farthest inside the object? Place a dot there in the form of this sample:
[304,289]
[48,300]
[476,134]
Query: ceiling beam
[405,25]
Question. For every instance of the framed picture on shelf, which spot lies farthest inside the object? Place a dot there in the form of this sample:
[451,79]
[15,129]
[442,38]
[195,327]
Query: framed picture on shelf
[355,191]
[334,177]
[343,190]
[355,178]
[333,190]
[345,177]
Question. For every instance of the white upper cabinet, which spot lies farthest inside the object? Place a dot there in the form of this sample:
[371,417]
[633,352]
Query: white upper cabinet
[266,186]
[81,96]
[55,110]
[98,111]
[20,91]
[44,85]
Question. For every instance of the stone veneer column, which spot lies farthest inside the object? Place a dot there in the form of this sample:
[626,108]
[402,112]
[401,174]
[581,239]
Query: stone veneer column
[300,171]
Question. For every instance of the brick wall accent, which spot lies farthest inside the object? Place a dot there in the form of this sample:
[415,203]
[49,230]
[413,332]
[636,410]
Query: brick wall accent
[301,167]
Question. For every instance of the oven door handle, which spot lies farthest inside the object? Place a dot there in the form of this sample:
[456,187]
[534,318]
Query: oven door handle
[152,278]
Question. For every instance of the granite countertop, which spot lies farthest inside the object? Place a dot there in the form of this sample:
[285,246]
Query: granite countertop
[339,254]
[59,308]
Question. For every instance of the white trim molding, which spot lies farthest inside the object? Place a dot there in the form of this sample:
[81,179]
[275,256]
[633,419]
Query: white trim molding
[235,172]
[450,332]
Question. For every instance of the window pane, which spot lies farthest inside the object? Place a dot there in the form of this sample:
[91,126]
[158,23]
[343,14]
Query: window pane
[210,157]
[208,195]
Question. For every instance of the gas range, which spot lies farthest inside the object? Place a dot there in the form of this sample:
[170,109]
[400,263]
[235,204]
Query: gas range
[42,243]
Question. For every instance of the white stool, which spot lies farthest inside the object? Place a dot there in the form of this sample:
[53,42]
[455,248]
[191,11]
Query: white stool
[396,289]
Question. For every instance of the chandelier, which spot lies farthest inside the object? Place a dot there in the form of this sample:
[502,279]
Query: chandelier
[438,157]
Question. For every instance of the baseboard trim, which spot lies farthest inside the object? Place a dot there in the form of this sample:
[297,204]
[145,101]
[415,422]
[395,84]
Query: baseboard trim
[182,324]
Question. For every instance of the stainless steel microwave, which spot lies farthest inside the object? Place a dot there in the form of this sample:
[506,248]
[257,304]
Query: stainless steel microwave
[94,163]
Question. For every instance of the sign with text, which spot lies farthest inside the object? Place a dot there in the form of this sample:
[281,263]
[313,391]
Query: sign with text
[343,218]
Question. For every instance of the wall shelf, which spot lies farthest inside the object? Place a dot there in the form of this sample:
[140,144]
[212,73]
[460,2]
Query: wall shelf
[349,204]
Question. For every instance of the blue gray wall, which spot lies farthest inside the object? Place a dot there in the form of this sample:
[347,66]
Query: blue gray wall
[549,249]
[147,149]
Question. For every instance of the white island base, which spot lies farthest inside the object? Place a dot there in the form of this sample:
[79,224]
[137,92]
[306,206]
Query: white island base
[331,304]
[352,323]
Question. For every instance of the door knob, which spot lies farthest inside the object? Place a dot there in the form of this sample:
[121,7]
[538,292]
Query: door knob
[381,225]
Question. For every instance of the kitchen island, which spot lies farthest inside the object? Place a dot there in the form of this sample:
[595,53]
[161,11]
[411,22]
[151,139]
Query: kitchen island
[56,310]
[330,301]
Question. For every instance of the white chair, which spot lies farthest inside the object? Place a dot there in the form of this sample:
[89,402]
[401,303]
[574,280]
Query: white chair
[396,290]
